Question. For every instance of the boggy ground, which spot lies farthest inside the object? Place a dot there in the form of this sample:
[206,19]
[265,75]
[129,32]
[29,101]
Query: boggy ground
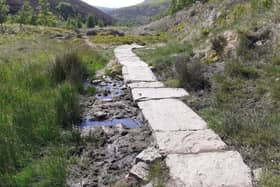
[105,154]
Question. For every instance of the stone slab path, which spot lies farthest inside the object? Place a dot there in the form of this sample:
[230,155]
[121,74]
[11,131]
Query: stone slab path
[196,156]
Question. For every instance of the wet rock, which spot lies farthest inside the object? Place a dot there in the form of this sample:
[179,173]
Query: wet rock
[149,155]
[140,170]
[96,81]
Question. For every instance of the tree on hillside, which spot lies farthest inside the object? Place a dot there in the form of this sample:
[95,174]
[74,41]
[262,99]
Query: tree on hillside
[4,9]
[91,21]
[173,7]
[179,4]
[65,9]
[45,16]
[26,14]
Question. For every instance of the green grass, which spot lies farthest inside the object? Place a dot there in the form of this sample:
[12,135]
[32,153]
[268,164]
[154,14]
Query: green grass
[129,39]
[172,64]
[39,87]
[158,173]
[241,100]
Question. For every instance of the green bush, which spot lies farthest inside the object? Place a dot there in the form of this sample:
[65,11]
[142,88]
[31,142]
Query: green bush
[67,105]
[190,75]
[68,67]
[238,69]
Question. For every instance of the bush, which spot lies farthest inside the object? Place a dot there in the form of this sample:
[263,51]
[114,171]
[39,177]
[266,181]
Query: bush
[67,106]
[68,67]
[191,75]
[218,44]
[238,69]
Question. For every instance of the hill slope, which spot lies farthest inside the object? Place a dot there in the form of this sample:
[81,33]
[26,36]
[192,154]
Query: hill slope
[226,54]
[80,7]
[142,13]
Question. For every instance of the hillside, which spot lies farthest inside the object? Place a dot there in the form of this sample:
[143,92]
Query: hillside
[142,13]
[226,54]
[80,8]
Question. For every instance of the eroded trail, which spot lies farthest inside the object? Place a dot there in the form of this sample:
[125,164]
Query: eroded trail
[113,133]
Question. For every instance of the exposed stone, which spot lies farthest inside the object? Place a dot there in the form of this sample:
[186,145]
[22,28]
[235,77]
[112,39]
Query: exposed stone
[100,115]
[149,155]
[185,142]
[96,81]
[171,115]
[140,170]
[219,169]
[142,94]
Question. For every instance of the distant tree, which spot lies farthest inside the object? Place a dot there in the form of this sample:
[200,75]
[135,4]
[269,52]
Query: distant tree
[173,7]
[26,14]
[4,10]
[79,23]
[91,21]
[100,23]
[45,16]
[65,9]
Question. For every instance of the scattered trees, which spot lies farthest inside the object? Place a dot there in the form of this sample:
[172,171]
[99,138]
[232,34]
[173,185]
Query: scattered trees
[4,9]
[91,21]
[179,4]
[43,15]
[26,14]
[65,9]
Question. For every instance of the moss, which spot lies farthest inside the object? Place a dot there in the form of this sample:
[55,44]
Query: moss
[173,83]
[205,31]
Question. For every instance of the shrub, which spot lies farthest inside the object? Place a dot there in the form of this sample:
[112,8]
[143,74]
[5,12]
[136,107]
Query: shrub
[68,67]
[191,75]
[67,105]
[218,44]
[261,5]
[238,69]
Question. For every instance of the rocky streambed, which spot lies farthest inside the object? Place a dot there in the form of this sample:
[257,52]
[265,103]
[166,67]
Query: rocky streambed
[113,133]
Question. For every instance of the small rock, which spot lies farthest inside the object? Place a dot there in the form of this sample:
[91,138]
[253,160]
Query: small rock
[140,170]
[96,81]
[149,155]
[259,43]
[100,115]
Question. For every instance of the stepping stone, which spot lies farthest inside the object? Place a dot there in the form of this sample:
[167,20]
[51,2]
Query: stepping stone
[171,115]
[138,74]
[133,62]
[142,94]
[146,85]
[149,155]
[140,170]
[187,142]
[218,169]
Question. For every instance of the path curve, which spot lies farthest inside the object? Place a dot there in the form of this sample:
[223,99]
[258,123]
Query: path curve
[196,156]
